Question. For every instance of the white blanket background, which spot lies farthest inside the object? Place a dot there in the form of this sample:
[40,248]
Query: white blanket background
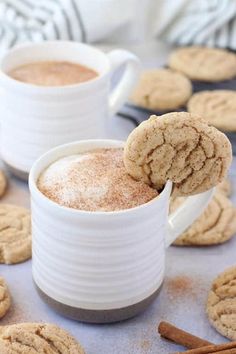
[207,22]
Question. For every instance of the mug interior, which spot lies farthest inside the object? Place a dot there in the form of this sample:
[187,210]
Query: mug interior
[55,51]
[74,148]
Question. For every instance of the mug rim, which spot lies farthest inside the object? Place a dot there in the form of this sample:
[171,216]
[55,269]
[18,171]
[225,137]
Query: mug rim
[34,190]
[51,89]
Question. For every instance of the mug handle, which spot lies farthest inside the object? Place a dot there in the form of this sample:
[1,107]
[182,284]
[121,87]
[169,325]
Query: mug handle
[186,214]
[127,81]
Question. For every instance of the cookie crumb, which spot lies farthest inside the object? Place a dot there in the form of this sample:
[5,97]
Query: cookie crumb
[145,345]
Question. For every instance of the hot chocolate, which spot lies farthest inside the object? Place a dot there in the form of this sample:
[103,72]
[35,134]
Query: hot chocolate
[94,181]
[52,73]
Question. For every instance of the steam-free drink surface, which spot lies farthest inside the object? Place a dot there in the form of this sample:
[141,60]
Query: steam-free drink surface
[94,181]
[52,73]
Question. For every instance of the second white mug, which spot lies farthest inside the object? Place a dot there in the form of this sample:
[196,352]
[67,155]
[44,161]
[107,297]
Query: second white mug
[35,118]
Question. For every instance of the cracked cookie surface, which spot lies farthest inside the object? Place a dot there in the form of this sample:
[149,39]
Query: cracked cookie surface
[5,299]
[202,63]
[221,303]
[218,108]
[15,234]
[32,338]
[161,89]
[179,147]
[216,225]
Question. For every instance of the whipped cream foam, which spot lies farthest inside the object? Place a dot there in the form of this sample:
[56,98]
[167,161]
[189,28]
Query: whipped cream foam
[94,181]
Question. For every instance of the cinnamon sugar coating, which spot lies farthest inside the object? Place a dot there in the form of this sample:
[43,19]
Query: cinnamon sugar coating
[5,299]
[216,225]
[221,303]
[161,90]
[179,147]
[94,181]
[203,63]
[41,338]
[52,73]
[218,107]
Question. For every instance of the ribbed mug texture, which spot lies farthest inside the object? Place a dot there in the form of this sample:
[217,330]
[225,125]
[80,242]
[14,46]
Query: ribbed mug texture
[96,260]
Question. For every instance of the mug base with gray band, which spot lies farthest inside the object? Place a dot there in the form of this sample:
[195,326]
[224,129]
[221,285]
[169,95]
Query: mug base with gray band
[99,266]
[37,118]
[98,316]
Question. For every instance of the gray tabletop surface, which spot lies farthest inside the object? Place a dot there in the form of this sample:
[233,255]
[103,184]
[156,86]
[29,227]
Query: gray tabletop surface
[189,273]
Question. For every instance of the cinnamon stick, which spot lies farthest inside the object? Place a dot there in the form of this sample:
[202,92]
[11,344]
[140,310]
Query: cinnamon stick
[225,348]
[178,336]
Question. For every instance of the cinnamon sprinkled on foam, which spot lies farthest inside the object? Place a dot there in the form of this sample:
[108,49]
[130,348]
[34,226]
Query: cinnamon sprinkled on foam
[94,181]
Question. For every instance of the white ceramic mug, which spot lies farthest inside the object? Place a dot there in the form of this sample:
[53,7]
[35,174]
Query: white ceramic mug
[102,266]
[35,118]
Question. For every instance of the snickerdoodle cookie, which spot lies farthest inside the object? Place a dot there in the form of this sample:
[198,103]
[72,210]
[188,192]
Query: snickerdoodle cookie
[5,299]
[15,234]
[205,64]
[179,147]
[216,225]
[218,107]
[161,90]
[27,338]
[3,183]
[221,303]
